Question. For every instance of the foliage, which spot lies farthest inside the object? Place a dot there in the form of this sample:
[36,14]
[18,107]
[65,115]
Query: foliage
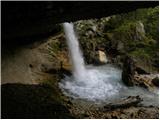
[149,18]
[141,44]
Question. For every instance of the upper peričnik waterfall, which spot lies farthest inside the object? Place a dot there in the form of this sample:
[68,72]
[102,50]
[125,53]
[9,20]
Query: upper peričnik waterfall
[94,83]
[87,81]
[76,55]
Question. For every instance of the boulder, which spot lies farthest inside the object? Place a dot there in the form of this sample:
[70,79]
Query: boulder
[128,71]
[102,57]
[155,81]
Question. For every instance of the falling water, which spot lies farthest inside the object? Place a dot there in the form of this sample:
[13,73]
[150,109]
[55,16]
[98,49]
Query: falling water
[88,82]
[76,55]
[96,83]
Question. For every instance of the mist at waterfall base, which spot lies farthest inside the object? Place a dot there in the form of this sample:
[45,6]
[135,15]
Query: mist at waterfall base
[96,83]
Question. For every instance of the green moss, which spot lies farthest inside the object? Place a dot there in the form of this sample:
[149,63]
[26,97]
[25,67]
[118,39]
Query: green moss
[140,53]
[140,45]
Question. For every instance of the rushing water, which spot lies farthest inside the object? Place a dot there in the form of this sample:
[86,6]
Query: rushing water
[96,83]
[75,53]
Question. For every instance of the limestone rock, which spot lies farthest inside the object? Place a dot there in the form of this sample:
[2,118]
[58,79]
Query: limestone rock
[102,57]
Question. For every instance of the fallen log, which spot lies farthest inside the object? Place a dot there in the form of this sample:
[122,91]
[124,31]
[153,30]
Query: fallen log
[124,103]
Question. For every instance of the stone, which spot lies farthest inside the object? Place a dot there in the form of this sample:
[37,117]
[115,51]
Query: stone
[102,57]
[155,81]
[128,71]
[148,81]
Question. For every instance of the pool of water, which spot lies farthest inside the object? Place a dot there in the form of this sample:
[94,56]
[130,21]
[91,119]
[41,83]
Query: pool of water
[104,84]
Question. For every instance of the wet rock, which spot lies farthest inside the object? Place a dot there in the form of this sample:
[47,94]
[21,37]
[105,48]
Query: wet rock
[128,71]
[148,81]
[155,81]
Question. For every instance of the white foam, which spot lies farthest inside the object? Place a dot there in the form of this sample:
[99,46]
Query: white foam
[100,83]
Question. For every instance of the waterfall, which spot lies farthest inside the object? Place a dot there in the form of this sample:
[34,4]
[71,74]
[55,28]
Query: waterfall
[75,52]
[87,82]
[95,83]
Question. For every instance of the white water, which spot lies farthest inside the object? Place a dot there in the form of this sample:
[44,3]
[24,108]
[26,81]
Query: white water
[75,53]
[96,83]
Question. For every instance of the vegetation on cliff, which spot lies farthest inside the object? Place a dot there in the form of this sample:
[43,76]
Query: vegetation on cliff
[134,34]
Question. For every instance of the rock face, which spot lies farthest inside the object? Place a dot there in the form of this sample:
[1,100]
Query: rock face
[92,40]
[128,71]
[31,18]
[33,64]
